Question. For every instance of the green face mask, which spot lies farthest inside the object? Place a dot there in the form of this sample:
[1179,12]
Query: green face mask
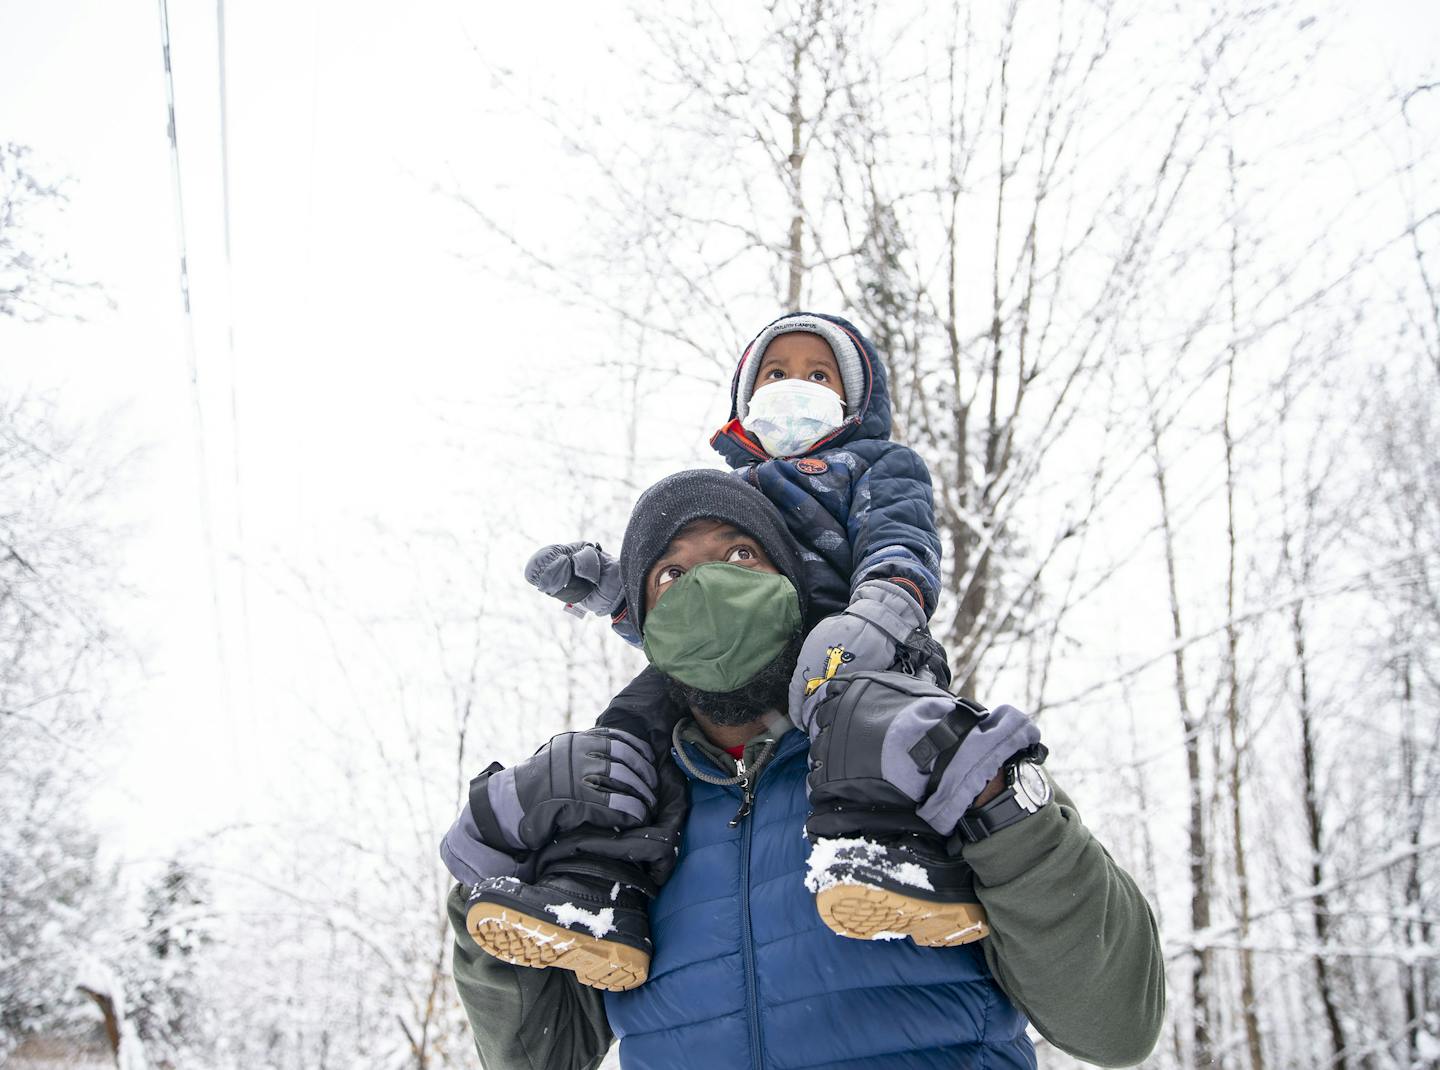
[720,624]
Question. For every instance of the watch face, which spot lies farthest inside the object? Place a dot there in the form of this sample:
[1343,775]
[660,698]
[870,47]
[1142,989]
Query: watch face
[1031,787]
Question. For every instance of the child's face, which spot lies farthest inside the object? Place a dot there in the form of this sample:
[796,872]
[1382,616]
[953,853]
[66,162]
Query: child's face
[799,355]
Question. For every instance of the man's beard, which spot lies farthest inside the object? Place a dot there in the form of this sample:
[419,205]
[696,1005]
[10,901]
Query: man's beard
[768,689]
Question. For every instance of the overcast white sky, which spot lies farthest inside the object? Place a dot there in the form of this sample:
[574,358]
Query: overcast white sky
[355,322]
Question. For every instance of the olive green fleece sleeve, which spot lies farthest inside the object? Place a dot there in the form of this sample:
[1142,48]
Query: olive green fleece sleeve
[1073,942]
[524,1018]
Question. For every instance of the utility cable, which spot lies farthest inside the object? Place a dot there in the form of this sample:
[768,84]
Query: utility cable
[247,647]
[192,360]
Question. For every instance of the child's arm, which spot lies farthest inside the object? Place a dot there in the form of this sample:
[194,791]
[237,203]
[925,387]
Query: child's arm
[622,622]
[582,574]
[868,634]
[893,589]
[578,573]
[892,527]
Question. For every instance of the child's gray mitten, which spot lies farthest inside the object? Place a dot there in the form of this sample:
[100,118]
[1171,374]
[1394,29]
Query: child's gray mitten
[579,574]
[866,635]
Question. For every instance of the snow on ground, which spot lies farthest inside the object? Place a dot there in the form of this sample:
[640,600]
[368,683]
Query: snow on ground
[42,1053]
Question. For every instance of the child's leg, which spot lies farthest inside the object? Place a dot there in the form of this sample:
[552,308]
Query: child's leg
[882,742]
[644,856]
[586,908]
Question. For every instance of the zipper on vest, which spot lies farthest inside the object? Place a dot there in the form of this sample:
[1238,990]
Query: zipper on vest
[747,794]
[747,934]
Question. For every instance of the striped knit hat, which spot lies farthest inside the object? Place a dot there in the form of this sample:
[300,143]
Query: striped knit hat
[847,358]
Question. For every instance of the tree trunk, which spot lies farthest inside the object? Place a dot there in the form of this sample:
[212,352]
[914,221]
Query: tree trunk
[1320,901]
[1415,930]
[1202,1051]
[107,1012]
[962,535]
[1232,642]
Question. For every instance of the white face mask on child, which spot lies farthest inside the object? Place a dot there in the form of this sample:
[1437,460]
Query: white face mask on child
[792,415]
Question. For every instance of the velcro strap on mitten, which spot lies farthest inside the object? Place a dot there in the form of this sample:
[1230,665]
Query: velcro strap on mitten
[491,826]
[573,591]
[1000,733]
[944,735]
[470,859]
[880,616]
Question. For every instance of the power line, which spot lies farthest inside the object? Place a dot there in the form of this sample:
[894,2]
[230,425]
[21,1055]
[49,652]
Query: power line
[235,468]
[192,360]
[224,133]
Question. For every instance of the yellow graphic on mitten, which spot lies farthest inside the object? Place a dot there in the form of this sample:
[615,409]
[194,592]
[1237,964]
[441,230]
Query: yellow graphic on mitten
[835,656]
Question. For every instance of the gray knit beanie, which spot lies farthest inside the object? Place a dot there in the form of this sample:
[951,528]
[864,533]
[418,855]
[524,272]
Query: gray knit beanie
[847,358]
[702,494]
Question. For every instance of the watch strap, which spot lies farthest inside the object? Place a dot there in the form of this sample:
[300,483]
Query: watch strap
[1004,810]
[999,813]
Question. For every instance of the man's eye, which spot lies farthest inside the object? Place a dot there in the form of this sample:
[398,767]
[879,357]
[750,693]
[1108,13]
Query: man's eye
[741,553]
[674,572]
[819,377]
[775,373]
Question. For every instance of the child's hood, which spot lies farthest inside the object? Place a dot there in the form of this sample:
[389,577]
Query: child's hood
[869,420]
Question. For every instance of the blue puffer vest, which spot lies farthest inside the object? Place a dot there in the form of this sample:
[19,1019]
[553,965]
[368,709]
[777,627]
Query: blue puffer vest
[745,973]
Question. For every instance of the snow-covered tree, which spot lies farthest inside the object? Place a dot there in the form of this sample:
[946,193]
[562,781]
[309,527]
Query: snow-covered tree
[54,646]
[35,281]
[57,563]
[165,967]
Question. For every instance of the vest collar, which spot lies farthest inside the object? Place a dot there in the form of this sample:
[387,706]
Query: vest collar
[779,731]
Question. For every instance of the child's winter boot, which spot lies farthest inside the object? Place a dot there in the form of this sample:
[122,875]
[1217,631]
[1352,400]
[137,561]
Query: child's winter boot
[894,760]
[587,922]
[876,888]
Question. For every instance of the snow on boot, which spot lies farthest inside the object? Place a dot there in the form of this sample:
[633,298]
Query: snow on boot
[599,930]
[905,886]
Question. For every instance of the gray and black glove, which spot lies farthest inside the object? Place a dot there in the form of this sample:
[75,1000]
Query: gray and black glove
[579,574]
[601,777]
[889,748]
[868,634]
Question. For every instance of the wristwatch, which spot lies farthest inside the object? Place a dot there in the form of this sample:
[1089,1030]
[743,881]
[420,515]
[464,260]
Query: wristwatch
[1027,789]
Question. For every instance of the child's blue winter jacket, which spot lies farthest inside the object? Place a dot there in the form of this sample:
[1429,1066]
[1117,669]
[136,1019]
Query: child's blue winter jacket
[858,504]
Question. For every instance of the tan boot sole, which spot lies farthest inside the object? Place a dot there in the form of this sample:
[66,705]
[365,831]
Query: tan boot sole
[864,912]
[526,941]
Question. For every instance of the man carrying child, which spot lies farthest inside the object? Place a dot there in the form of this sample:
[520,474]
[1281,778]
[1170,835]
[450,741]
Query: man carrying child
[938,872]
